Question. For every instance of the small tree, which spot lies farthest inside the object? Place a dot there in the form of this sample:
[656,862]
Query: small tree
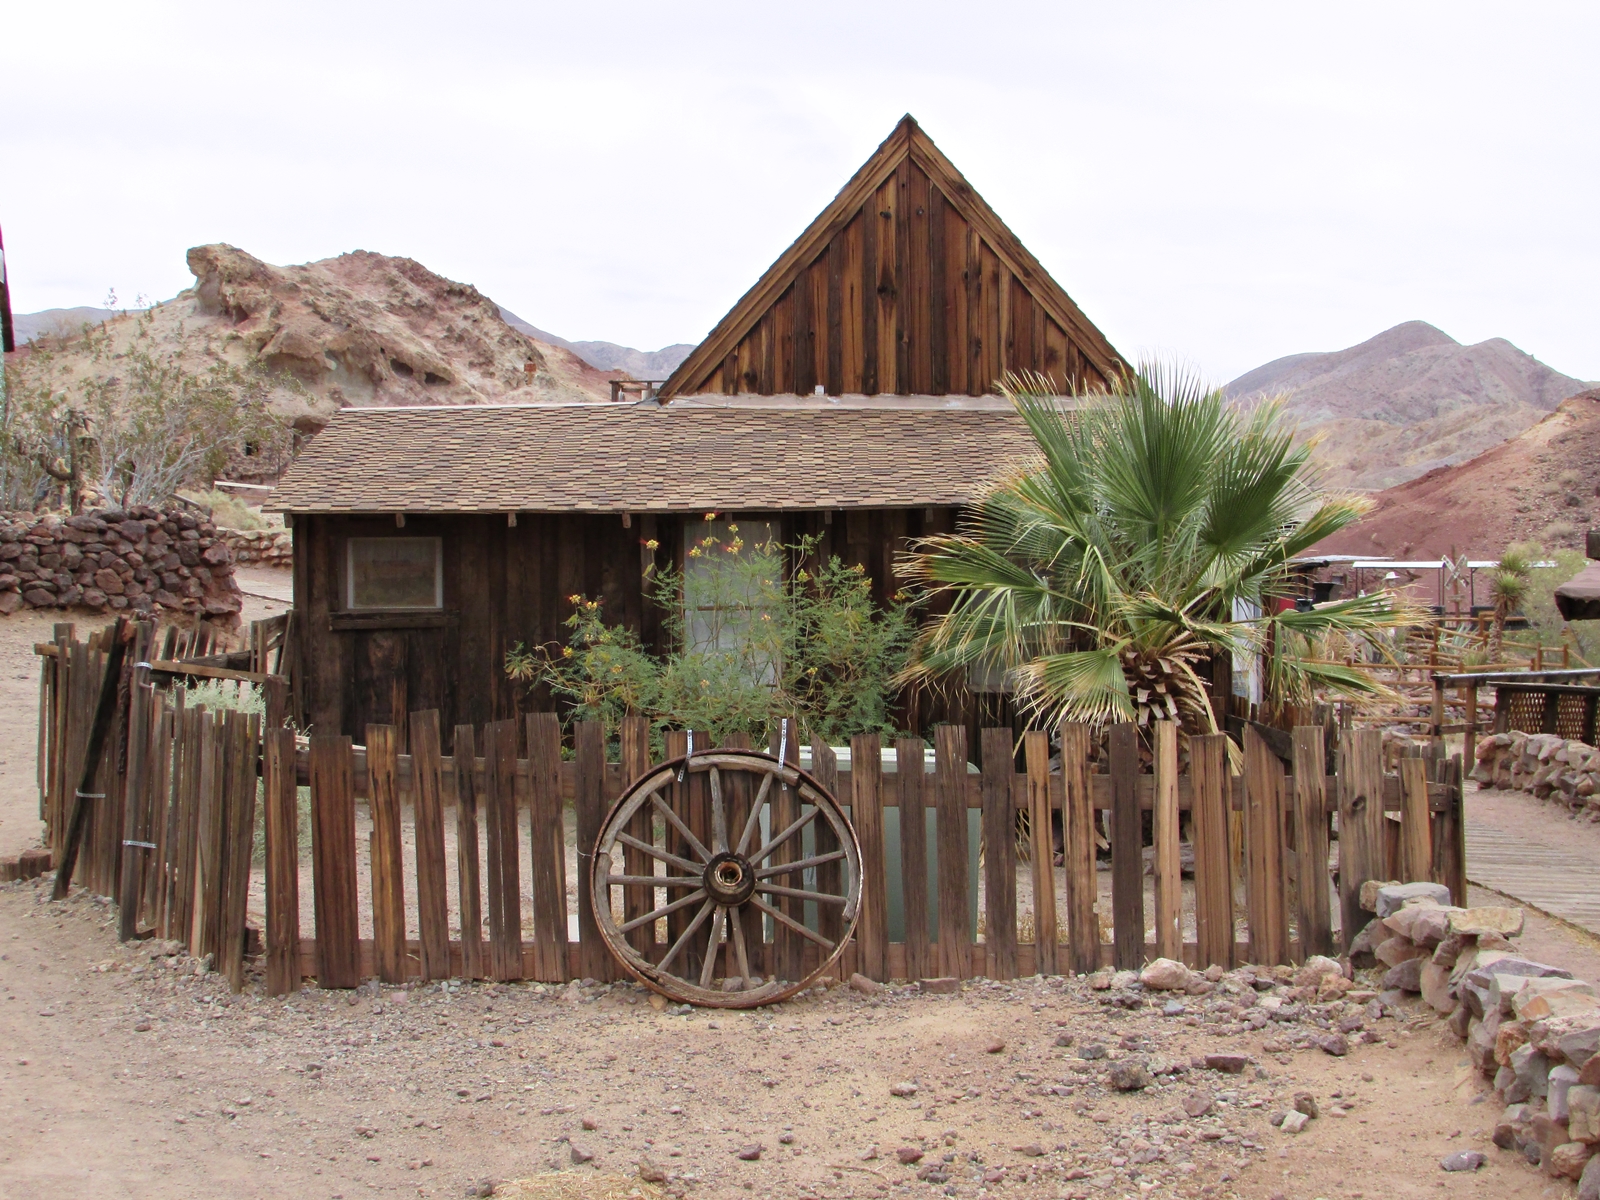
[1508,587]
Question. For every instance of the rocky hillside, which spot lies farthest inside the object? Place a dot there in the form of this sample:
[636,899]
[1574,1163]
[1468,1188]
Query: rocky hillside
[608,356]
[1409,400]
[1541,486]
[361,328]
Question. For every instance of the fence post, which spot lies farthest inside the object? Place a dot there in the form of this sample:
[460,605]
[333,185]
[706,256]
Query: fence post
[913,854]
[1077,838]
[1263,778]
[241,810]
[1311,830]
[283,863]
[1036,760]
[1211,788]
[504,872]
[469,880]
[635,738]
[1416,834]
[551,957]
[1000,857]
[1127,850]
[950,803]
[1360,824]
[333,861]
[388,879]
[427,806]
[1450,834]
[830,920]
[589,798]
[136,805]
[866,813]
[1168,864]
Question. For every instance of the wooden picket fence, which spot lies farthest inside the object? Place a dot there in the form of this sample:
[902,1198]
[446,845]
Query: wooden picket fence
[170,833]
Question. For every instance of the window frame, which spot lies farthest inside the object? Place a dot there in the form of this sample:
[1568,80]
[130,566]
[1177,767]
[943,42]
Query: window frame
[350,605]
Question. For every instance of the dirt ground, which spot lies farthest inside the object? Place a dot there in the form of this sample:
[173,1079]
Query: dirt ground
[123,1073]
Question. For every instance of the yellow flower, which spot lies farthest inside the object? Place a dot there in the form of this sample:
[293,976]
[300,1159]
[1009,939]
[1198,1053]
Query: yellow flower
[652,544]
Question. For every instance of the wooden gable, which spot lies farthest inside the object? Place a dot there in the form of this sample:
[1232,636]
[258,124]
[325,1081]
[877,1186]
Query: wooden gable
[908,284]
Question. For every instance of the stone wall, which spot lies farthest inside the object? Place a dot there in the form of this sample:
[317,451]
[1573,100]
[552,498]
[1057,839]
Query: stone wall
[261,547]
[141,560]
[1549,766]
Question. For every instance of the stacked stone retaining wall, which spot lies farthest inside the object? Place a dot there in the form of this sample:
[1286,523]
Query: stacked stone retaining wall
[1547,765]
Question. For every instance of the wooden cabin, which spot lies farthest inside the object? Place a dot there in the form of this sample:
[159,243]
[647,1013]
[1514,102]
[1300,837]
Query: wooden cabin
[849,395]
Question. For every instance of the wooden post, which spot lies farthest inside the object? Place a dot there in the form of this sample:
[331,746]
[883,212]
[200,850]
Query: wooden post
[1263,777]
[1450,834]
[104,714]
[950,798]
[636,901]
[788,947]
[913,855]
[388,869]
[551,956]
[1077,838]
[1212,789]
[866,814]
[504,874]
[1315,919]
[208,838]
[1127,850]
[830,919]
[1360,825]
[427,803]
[467,868]
[333,861]
[283,862]
[1470,741]
[590,801]
[1416,833]
[1168,865]
[1036,760]
[1000,857]
[245,767]
[136,839]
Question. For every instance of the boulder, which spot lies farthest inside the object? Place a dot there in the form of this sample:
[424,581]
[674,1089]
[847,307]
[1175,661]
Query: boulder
[1569,1159]
[1560,1083]
[1317,968]
[1475,922]
[1434,982]
[1166,975]
[1369,894]
[1532,1071]
[1583,1113]
[1398,949]
[1407,976]
[1391,898]
[1506,991]
[1589,1181]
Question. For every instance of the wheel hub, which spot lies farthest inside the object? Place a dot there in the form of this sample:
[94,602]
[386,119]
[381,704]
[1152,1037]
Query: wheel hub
[730,878]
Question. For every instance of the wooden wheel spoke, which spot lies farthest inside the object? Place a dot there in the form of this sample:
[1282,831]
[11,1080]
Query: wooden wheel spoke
[816,860]
[651,917]
[798,926]
[719,814]
[668,881]
[773,889]
[753,821]
[708,969]
[672,860]
[689,932]
[677,823]
[740,952]
[795,827]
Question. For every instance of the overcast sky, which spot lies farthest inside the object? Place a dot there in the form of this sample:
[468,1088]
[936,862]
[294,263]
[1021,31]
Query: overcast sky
[1218,183]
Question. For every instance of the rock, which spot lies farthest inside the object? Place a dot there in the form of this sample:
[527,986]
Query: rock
[1101,979]
[906,1089]
[1197,1104]
[1398,949]
[1569,1159]
[1560,1083]
[1124,979]
[944,985]
[994,1046]
[1407,976]
[1231,1064]
[649,1172]
[1448,951]
[1589,1181]
[1476,922]
[1091,1051]
[752,1152]
[1369,893]
[1029,1150]
[1532,1071]
[1583,1113]
[1305,1102]
[1166,975]
[1512,1124]
[1063,1039]
[908,1155]
[580,1156]
[867,987]
[1541,999]
[1463,1160]
[1391,898]
[483,1187]
[1130,1075]
[1433,981]
[1317,968]
[1334,1044]
[1293,1121]
[1362,946]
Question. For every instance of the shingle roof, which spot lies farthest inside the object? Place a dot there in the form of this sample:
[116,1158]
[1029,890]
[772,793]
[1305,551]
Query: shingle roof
[630,458]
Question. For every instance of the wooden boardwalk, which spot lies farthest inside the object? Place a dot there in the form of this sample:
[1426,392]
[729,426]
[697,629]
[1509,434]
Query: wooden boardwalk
[1559,875]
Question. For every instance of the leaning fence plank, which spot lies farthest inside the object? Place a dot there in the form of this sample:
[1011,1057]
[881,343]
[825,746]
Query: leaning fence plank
[333,861]
[136,840]
[1213,867]
[1168,864]
[634,736]
[1416,833]
[160,786]
[427,806]
[1311,842]
[504,867]
[1360,824]
[1036,760]
[950,800]
[243,770]
[551,963]
[1127,850]
[467,861]
[203,937]
[1077,830]
[999,858]
[866,814]
[1263,810]
[909,781]
[589,741]
[282,827]
[388,867]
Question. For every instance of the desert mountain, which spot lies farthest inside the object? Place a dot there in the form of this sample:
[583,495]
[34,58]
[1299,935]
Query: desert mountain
[608,356]
[1409,400]
[1539,486]
[57,322]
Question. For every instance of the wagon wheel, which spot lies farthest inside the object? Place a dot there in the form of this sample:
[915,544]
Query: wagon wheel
[746,868]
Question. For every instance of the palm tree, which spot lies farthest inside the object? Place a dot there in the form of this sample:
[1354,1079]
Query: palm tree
[1154,532]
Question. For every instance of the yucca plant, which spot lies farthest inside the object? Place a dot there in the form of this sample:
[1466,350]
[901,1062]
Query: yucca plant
[1154,531]
[1508,587]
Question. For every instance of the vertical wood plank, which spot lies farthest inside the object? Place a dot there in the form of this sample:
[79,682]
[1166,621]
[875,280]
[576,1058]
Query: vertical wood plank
[1450,834]
[866,814]
[1360,824]
[676,797]
[552,961]
[825,769]
[1213,868]
[1416,832]
[1263,811]
[333,861]
[467,861]
[388,870]
[282,828]
[1311,833]
[636,901]
[752,919]
[909,782]
[208,839]
[241,845]
[950,798]
[1036,760]
[999,857]
[1168,865]
[427,802]
[136,808]
[1077,829]
[1127,850]
[788,947]
[503,873]
[589,798]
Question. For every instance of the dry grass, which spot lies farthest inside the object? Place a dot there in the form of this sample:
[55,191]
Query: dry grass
[579,1185]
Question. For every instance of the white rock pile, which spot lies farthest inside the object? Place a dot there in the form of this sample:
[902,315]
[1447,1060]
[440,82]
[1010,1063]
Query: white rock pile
[1549,766]
[260,547]
[1529,1026]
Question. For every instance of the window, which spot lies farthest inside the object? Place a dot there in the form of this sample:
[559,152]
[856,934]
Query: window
[395,572]
[731,572]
